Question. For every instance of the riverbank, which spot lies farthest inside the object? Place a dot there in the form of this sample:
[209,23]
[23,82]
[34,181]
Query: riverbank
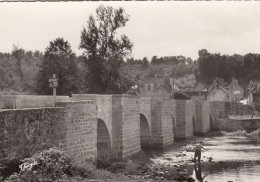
[229,157]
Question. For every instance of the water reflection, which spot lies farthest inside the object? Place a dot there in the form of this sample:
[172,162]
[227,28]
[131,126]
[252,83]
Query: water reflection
[238,155]
[244,173]
[198,174]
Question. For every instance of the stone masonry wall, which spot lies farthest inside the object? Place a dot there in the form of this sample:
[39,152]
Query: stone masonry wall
[202,117]
[184,119]
[220,111]
[80,126]
[162,123]
[167,122]
[126,125]
[104,107]
[190,115]
[206,117]
[29,101]
[23,132]
[249,125]
[157,136]
[130,125]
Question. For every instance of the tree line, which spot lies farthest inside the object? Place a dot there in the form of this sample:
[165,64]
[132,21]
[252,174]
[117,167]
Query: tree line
[97,70]
[214,65]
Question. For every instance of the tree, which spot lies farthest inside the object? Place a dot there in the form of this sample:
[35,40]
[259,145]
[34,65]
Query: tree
[104,52]
[60,60]
[18,53]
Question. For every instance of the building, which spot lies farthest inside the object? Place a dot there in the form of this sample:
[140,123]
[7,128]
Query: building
[217,92]
[159,86]
[236,91]
[253,95]
[221,91]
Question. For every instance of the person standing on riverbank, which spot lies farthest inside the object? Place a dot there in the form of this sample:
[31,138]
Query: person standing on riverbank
[198,149]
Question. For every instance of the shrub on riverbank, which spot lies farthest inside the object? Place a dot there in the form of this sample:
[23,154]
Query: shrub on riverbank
[55,165]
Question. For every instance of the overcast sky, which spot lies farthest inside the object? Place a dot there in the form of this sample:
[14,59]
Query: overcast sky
[156,28]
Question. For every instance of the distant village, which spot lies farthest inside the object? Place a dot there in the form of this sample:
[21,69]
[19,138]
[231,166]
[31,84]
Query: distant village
[164,86]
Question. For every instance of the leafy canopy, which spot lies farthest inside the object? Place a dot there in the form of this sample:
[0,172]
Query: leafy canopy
[60,60]
[104,51]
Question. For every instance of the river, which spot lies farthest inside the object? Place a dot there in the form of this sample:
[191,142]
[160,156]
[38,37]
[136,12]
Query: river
[231,157]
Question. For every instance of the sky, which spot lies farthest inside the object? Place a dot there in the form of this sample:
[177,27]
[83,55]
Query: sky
[161,28]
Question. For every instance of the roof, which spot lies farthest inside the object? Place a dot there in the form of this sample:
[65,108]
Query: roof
[218,85]
[253,87]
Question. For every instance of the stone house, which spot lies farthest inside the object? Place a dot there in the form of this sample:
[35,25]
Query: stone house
[157,87]
[217,92]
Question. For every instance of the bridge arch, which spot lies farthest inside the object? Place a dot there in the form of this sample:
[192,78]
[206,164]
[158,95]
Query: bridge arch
[104,144]
[145,131]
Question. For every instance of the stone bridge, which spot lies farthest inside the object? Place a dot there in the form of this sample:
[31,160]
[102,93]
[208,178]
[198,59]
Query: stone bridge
[127,123]
[116,126]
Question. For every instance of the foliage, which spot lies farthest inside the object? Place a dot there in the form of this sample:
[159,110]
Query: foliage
[55,165]
[172,60]
[104,51]
[243,68]
[60,60]
[19,54]
[10,76]
[48,165]
[8,167]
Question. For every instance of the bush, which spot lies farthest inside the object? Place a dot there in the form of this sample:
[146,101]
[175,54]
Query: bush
[46,166]
[8,167]
[54,165]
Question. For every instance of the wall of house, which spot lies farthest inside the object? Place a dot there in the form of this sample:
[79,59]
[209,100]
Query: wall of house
[217,95]
[250,99]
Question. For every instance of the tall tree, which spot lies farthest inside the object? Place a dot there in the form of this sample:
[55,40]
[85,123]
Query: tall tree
[60,60]
[104,50]
[19,54]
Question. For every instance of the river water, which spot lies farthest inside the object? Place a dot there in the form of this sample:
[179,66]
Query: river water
[232,157]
